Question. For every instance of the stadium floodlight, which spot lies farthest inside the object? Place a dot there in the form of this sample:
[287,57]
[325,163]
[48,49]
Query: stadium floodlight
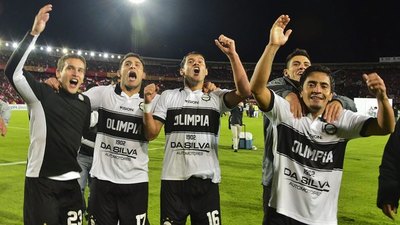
[100,55]
[112,56]
[65,51]
[15,45]
[119,57]
[86,53]
[49,49]
[105,55]
[136,1]
[57,50]
[41,48]
[79,52]
[92,54]
[7,44]
[72,52]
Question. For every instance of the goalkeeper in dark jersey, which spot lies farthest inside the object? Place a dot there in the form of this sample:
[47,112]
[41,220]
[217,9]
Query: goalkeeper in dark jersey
[57,121]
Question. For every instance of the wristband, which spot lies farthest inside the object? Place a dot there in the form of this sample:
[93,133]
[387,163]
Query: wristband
[147,107]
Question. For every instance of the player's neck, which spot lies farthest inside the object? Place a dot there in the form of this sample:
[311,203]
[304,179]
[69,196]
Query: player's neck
[130,91]
[196,87]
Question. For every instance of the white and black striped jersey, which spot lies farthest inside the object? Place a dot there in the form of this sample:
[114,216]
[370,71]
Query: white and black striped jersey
[308,162]
[121,149]
[191,123]
[56,120]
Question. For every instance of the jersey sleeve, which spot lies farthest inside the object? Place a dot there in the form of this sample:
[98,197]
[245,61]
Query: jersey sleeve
[95,94]
[221,94]
[350,124]
[279,109]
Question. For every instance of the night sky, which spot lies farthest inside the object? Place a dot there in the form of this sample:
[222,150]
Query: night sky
[331,30]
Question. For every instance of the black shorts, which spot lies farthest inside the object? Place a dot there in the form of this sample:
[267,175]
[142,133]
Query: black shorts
[110,203]
[266,196]
[52,202]
[196,197]
[275,218]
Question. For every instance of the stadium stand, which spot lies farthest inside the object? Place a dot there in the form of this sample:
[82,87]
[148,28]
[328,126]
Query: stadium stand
[165,73]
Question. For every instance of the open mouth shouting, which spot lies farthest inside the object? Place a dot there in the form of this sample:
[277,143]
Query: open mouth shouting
[73,82]
[132,76]
[196,70]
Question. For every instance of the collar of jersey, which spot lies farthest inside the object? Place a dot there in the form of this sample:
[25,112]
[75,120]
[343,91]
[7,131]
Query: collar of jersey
[119,91]
[127,96]
[320,117]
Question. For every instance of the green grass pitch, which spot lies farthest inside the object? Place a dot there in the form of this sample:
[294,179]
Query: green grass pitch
[241,190]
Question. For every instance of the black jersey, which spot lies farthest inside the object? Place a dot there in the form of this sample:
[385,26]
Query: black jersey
[389,171]
[57,120]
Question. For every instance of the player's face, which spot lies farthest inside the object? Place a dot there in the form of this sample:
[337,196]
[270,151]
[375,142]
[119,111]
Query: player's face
[317,92]
[132,73]
[72,75]
[194,71]
[296,67]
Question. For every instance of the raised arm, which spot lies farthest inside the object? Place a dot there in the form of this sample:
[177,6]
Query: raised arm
[15,64]
[227,46]
[262,72]
[152,127]
[38,26]
[41,20]
[385,122]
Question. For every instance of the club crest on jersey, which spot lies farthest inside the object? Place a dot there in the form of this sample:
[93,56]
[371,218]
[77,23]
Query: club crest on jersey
[80,97]
[330,128]
[141,106]
[206,97]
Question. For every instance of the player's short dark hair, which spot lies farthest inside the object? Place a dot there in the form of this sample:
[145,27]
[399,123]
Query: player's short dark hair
[131,54]
[190,53]
[296,52]
[61,61]
[318,68]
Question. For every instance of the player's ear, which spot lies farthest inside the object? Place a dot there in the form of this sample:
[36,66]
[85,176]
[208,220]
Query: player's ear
[330,96]
[58,74]
[285,72]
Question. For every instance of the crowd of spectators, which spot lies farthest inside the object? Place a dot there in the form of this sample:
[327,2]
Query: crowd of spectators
[165,73]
